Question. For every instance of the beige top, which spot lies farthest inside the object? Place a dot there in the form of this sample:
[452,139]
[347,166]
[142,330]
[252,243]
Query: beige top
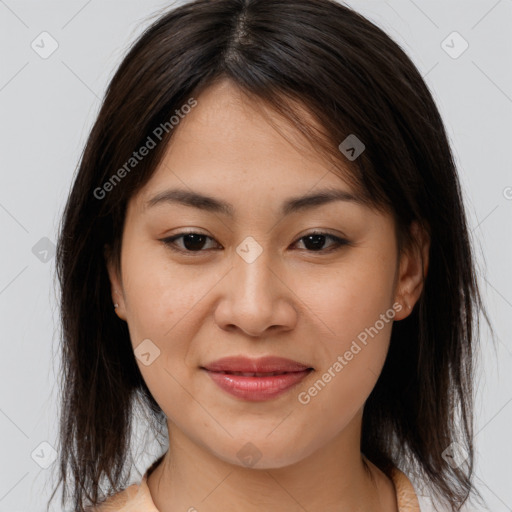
[137,498]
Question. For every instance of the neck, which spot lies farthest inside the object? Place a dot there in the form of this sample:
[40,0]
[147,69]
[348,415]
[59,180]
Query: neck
[334,478]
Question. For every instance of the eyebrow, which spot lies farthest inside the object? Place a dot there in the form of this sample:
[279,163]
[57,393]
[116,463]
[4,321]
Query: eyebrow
[211,204]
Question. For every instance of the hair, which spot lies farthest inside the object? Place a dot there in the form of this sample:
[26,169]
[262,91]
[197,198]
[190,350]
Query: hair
[314,58]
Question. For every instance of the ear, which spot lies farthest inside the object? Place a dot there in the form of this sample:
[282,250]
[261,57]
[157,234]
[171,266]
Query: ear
[412,271]
[116,286]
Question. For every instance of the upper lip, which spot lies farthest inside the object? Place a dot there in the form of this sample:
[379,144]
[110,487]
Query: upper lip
[261,365]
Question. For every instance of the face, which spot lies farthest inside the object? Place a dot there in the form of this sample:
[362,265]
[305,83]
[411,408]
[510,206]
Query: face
[319,283]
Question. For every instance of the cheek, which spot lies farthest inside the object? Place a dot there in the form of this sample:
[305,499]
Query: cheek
[164,304]
[344,300]
[340,307]
[349,369]
[353,311]
[159,294]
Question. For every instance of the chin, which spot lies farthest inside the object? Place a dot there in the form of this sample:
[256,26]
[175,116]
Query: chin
[261,452]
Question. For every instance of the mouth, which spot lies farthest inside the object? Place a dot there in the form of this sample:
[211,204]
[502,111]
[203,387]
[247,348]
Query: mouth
[259,367]
[257,385]
[257,374]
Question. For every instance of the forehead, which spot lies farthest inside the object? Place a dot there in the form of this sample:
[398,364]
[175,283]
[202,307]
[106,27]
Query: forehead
[231,144]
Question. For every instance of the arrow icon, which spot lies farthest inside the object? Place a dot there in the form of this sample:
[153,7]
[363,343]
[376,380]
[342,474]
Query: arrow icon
[44,250]
[44,44]
[249,249]
[351,147]
[146,352]
[454,45]
[44,455]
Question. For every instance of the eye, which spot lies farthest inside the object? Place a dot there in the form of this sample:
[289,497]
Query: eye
[192,241]
[195,242]
[316,240]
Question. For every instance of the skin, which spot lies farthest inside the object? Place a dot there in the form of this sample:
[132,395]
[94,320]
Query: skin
[292,301]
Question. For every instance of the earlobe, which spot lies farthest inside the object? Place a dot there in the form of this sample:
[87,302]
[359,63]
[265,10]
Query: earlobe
[118,312]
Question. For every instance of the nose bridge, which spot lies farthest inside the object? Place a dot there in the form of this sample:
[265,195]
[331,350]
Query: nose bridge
[253,301]
[253,273]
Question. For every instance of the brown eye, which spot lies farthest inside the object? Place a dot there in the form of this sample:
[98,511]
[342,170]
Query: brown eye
[192,242]
[315,242]
[195,242]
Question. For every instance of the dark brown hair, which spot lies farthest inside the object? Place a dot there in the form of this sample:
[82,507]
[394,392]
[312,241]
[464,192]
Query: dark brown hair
[351,78]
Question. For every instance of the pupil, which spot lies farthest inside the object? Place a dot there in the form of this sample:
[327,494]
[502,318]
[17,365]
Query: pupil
[197,241]
[317,240]
[194,241]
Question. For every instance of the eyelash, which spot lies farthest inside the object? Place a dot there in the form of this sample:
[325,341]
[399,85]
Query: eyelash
[169,242]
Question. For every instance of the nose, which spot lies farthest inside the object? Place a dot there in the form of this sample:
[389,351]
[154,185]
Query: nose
[256,297]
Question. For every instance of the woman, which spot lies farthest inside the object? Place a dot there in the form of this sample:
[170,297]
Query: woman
[269,202]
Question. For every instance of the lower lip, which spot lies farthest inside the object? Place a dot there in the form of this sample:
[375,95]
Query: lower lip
[257,388]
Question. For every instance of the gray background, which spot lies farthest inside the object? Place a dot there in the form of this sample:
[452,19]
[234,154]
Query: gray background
[47,108]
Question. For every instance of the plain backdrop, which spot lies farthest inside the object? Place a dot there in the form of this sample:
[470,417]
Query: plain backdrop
[48,104]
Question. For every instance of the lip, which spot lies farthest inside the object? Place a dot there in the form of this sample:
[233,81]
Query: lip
[278,375]
[267,364]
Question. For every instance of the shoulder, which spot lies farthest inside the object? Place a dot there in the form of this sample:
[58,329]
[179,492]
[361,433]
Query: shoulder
[405,493]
